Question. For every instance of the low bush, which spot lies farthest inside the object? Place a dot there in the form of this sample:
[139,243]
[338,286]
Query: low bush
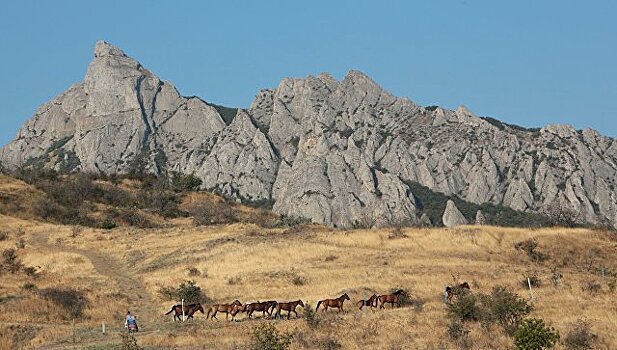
[10,261]
[72,301]
[190,292]
[465,308]
[506,308]
[530,246]
[266,337]
[591,286]
[580,337]
[310,316]
[533,334]
[534,280]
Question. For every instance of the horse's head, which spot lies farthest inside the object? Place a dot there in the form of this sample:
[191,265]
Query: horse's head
[345,296]
[373,297]
[300,303]
[237,302]
[465,285]
[199,308]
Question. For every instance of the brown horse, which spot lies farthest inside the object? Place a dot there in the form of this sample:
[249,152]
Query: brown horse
[189,310]
[227,309]
[461,289]
[333,303]
[289,307]
[372,302]
[264,307]
[394,298]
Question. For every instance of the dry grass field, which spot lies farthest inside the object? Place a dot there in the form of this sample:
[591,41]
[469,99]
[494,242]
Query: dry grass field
[124,269]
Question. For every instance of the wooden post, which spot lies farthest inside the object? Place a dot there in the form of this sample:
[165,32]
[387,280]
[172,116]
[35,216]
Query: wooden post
[73,331]
[530,293]
[103,327]
[182,310]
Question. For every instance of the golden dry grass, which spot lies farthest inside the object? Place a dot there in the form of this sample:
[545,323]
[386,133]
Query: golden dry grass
[252,263]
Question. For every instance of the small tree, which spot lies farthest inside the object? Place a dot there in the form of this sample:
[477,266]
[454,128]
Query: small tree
[465,308]
[190,292]
[10,261]
[533,334]
[507,308]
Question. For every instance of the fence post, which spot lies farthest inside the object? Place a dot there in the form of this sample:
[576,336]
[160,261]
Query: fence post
[530,293]
[73,331]
[103,327]
[182,310]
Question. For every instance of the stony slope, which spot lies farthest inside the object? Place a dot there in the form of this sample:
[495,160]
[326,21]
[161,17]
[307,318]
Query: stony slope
[339,152]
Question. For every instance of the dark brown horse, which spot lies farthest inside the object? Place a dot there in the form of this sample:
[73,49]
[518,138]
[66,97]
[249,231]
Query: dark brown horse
[227,309]
[394,298]
[453,291]
[333,303]
[264,307]
[189,310]
[372,302]
[289,307]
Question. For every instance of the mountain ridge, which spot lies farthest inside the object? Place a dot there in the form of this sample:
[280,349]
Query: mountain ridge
[337,152]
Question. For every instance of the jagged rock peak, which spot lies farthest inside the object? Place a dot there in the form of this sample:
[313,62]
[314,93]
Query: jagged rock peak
[104,48]
[480,218]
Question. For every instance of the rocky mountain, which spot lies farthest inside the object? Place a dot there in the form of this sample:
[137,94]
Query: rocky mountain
[343,153]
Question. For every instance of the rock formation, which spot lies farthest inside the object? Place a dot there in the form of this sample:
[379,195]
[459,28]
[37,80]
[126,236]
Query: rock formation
[480,218]
[452,216]
[342,153]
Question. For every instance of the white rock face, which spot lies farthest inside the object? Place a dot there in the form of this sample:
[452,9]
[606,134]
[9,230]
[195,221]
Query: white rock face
[343,153]
[452,216]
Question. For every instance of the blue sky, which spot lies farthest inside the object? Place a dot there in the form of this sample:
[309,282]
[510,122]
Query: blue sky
[524,62]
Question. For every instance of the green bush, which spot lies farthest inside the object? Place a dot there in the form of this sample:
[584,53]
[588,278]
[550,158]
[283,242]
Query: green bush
[184,183]
[506,308]
[190,292]
[267,337]
[310,316]
[465,308]
[530,246]
[532,334]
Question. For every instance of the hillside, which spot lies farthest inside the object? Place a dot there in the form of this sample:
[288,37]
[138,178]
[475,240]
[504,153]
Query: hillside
[341,153]
[104,272]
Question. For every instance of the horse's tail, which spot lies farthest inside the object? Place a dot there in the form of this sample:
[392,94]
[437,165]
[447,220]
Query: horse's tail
[318,303]
[170,311]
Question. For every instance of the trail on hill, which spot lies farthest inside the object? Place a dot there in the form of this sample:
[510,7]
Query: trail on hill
[131,285]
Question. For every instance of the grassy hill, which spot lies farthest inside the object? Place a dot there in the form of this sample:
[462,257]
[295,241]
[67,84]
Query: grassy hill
[91,274]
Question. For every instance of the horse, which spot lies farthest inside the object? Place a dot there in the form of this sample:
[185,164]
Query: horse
[372,302]
[450,292]
[189,310]
[394,298]
[333,303]
[289,307]
[227,309]
[264,307]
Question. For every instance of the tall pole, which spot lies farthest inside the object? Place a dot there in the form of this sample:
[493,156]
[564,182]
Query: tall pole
[182,310]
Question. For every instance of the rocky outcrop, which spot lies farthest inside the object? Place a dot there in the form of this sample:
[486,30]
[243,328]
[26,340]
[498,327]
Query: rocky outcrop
[452,216]
[342,153]
[480,218]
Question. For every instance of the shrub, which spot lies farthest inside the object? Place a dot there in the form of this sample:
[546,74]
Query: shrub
[3,235]
[506,308]
[108,224]
[20,244]
[329,343]
[28,286]
[30,271]
[459,333]
[534,279]
[190,292]
[193,271]
[299,280]
[129,342]
[580,337]
[310,316]
[532,334]
[232,281]
[465,308]
[612,285]
[168,293]
[72,301]
[10,261]
[591,286]
[267,337]
[529,247]
[213,213]
[185,183]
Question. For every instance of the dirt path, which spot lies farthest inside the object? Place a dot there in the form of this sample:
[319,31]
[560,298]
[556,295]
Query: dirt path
[131,285]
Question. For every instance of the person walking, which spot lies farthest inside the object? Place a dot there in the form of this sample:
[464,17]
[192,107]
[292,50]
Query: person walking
[131,323]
